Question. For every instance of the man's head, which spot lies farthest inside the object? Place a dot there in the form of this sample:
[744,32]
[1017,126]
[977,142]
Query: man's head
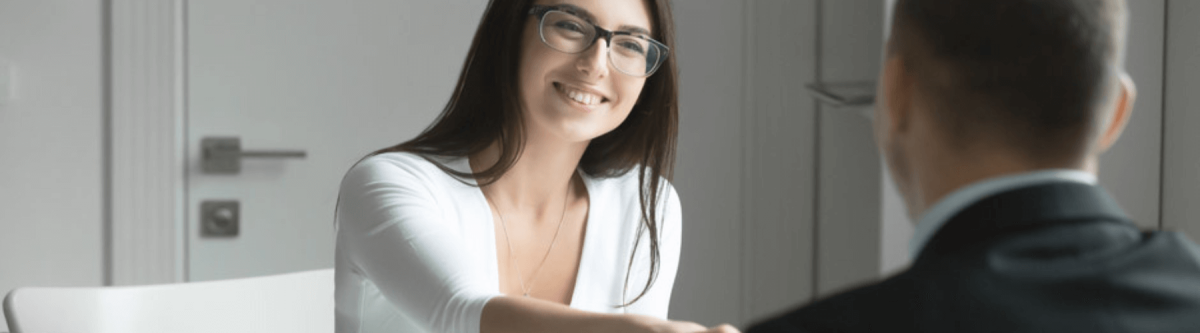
[978,88]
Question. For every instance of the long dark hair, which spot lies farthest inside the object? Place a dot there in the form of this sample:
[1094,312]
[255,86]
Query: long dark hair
[485,109]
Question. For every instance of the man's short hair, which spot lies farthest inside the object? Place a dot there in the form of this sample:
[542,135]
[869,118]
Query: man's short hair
[1029,72]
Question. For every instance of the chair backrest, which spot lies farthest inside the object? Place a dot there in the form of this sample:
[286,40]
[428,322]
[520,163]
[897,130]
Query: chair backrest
[296,302]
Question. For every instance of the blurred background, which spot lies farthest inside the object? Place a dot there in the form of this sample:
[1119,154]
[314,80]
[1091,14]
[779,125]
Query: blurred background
[118,118]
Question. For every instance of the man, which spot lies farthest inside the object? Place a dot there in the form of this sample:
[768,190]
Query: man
[991,117]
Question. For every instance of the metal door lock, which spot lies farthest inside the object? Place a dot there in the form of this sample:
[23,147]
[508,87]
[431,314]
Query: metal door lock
[219,218]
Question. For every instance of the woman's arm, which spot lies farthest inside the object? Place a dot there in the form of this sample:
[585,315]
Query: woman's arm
[519,314]
[391,229]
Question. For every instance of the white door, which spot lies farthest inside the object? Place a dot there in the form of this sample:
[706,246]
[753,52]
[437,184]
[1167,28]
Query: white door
[334,79]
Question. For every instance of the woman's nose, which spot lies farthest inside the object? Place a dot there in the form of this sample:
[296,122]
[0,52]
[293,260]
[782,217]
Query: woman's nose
[593,61]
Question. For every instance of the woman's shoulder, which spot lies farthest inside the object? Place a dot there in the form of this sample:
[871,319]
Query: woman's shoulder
[627,187]
[400,167]
[629,180]
[405,159]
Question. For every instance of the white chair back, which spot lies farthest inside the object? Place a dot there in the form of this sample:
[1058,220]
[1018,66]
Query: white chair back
[296,302]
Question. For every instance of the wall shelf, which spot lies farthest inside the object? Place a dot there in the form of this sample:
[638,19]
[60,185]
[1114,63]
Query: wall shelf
[855,95]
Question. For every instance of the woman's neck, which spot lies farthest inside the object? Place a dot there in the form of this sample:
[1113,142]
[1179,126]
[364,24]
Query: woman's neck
[539,178]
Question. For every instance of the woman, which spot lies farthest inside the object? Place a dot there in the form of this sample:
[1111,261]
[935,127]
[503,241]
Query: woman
[541,185]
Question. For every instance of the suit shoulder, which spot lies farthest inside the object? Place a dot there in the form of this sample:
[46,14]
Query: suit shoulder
[872,307]
[776,325]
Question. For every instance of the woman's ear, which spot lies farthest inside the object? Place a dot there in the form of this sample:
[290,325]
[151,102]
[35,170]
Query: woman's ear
[1119,116]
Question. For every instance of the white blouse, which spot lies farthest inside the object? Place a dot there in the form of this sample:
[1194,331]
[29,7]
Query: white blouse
[416,248]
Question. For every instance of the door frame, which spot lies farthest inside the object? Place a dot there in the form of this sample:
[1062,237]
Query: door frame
[146,98]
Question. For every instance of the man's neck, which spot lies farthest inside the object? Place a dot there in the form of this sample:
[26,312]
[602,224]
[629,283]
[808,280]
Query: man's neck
[944,176]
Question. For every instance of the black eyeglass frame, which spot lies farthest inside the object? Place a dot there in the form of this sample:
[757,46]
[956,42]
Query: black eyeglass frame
[540,11]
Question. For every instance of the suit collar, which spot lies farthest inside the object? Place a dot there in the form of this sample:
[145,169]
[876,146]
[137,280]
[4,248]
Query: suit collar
[1022,208]
[937,215]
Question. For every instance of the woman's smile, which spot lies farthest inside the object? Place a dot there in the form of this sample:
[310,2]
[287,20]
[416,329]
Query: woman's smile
[586,98]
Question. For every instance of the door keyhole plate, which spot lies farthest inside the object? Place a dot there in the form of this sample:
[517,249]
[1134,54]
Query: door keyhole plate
[219,218]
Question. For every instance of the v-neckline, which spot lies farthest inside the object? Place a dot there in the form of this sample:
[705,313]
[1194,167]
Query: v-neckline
[587,232]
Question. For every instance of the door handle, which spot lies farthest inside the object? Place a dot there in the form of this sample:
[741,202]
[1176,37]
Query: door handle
[223,155]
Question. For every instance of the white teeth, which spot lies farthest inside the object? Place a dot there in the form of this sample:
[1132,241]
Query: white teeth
[581,97]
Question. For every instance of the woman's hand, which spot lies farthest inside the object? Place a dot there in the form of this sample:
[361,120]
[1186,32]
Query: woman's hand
[723,328]
[648,324]
[506,314]
[655,325]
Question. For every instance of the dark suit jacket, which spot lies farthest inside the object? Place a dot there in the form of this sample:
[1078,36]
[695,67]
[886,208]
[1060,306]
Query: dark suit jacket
[1057,257]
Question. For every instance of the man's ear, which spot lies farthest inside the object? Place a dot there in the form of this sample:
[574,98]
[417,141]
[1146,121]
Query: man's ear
[1119,117]
[897,87]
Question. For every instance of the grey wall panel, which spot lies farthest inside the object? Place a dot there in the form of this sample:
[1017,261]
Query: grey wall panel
[1181,157]
[848,237]
[709,38]
[1130,169]
[896,227]
[778,123]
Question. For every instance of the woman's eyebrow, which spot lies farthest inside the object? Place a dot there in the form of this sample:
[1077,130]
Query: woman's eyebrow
[578,11]
[634,29]
[586,15]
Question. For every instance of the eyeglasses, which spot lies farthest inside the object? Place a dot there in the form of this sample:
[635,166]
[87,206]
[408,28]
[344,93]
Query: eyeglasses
[630,53]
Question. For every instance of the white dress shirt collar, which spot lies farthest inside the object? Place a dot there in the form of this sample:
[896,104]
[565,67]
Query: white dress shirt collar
[938,214]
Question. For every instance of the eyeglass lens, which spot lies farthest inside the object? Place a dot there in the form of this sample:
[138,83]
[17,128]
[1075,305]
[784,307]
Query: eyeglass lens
[571,34]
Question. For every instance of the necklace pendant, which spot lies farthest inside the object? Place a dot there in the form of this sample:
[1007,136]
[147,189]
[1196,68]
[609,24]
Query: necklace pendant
[526,294]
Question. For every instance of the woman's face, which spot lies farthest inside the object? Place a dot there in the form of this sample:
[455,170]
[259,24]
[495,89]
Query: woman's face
[578,97]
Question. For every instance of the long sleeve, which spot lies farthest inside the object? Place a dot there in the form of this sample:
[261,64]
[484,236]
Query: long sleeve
[392,231]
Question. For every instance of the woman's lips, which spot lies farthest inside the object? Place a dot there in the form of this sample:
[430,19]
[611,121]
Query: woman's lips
[581,96]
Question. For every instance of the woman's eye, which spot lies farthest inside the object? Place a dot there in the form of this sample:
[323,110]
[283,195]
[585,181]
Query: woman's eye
[633,47]
[570,26]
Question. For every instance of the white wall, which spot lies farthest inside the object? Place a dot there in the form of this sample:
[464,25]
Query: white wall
[50,145]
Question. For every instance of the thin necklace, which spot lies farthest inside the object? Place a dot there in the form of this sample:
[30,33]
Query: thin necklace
[511,259]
